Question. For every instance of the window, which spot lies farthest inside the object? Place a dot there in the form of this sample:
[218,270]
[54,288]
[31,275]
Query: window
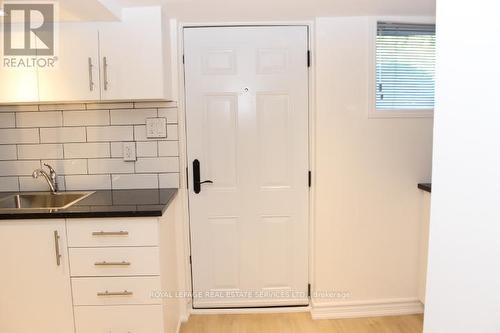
[405,67]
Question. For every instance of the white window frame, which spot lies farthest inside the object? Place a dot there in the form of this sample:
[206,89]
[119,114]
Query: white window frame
[373,112]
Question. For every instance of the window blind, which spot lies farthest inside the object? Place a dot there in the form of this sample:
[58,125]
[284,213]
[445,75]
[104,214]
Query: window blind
[405,66]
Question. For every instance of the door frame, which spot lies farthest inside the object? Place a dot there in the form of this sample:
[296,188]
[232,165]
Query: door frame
[184,163]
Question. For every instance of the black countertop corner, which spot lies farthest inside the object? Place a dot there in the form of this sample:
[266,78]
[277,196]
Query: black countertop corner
[104,203]
[425,187]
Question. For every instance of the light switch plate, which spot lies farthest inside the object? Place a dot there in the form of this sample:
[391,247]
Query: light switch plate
[156,128]
[129,152]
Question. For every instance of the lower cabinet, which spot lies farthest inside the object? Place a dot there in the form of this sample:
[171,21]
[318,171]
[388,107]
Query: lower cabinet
[119,319]
[35,290]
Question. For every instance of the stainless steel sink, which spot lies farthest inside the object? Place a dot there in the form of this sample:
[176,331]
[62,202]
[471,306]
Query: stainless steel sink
[42,200]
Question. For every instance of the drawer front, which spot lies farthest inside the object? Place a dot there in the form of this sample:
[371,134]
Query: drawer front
[119,319]
[112,232]
[115,290]
[114,261]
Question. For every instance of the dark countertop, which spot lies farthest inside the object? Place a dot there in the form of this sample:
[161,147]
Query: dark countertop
[104,203]
[425,187]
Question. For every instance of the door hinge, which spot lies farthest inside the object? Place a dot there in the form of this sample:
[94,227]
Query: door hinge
[309,178]
[309,290]
[190,260]
[308,58]
[187,178]
[183,59]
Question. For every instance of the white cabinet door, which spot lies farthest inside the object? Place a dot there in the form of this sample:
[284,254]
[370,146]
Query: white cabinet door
[18,83]
[75,76]
[132,56]
[35,291]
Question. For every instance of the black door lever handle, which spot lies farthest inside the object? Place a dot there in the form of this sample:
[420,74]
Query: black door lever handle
[196,177]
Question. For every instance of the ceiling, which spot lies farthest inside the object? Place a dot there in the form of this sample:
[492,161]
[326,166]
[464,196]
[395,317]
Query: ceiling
[245,10]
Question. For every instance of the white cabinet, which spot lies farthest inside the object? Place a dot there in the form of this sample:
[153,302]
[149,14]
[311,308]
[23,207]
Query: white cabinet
[35,290]
[18,82]
[76,74]
[132,56]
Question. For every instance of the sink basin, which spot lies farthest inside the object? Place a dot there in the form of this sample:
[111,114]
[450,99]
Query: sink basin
[42,200]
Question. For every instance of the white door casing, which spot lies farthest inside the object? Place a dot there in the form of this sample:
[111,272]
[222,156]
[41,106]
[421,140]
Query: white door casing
[247,124]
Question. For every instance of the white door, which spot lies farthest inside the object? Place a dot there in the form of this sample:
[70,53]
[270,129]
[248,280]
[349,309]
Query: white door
[35,291]
[247,126]
[75,76]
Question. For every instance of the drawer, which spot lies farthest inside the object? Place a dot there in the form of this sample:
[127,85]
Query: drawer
[112,232]
[114,261]
[119,319]
[115,290]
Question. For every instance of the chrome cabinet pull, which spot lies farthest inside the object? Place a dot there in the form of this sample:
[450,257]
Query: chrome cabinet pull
[91,79]
[58,252]
[115,293]
[112,263]
[110,233]
[105,69]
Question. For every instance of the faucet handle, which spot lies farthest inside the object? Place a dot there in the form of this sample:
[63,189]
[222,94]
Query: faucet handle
[51,169]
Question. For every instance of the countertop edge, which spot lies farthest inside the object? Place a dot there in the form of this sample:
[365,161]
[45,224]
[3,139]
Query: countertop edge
[427,187]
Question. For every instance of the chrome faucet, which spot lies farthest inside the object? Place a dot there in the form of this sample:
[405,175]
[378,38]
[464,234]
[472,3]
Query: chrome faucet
[50,177]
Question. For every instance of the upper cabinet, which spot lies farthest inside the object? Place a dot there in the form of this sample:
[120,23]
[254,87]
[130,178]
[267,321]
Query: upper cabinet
[76,74]
[18,82]
[129,59]
[132,56]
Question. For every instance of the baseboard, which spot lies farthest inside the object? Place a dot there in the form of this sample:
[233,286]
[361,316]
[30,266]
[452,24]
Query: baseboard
[250,310]
[379,308]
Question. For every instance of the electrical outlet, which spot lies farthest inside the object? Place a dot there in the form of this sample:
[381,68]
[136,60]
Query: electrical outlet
[129,153]
[156,128]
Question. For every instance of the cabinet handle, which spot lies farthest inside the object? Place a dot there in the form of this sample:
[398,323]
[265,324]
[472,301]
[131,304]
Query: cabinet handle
[56,242]
[115,293]
[91,79]
[105,69]
[112,263]
[110,233]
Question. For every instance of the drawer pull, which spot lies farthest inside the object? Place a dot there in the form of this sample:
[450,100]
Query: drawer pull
[115,293]
[110,233]
[112,263]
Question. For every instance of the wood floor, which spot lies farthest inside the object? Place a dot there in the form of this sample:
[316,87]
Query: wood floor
[299,323]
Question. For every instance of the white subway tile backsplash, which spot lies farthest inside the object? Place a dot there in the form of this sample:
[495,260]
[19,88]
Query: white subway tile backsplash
[37,152]
[107,166]
[157,165]
[140,133]
[170,114]
[9,184]
[169,180]
[132,116]
[145,181]
[8,152]
[39,119]
[18,168]
[116,149]
[88,182]
[68,167]
[168,148]
[147,149]
[86,150]
[110,133]
[86,118]
[84,143]
[31,184]
[7,120]
[19,136]
[62,135]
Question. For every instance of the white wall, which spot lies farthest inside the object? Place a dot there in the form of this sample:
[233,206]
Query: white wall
[367,223]
[463,286]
